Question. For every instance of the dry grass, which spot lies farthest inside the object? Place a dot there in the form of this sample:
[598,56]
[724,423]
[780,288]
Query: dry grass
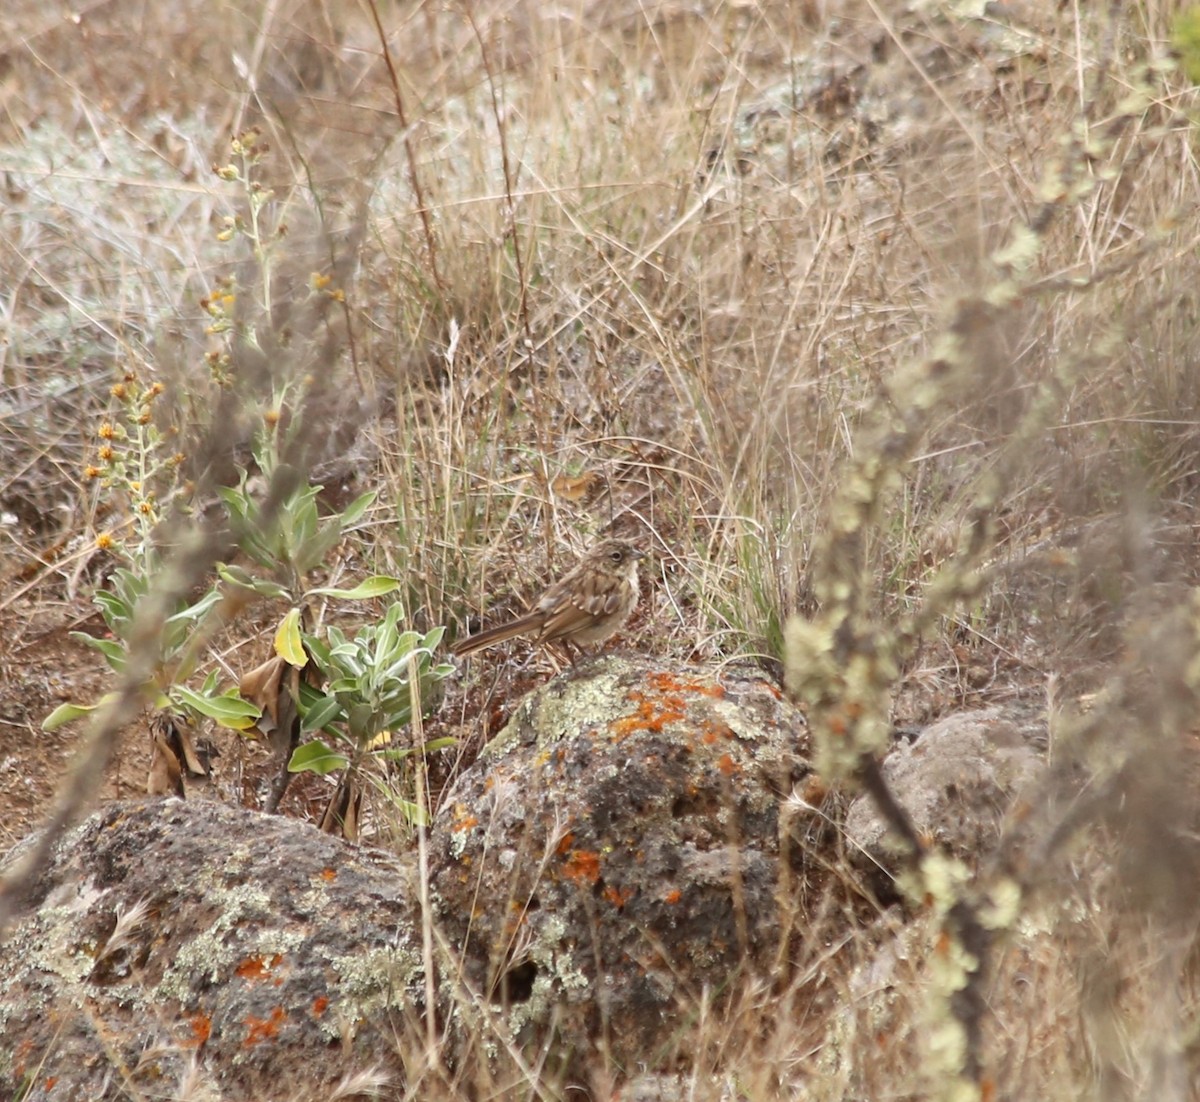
[648,268]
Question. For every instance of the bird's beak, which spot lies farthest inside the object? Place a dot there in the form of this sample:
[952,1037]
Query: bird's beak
[637,554]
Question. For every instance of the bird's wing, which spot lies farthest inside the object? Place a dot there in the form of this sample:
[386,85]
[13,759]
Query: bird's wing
[575,603]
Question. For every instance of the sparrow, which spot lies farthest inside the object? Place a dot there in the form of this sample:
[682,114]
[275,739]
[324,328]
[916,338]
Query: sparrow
[585,606]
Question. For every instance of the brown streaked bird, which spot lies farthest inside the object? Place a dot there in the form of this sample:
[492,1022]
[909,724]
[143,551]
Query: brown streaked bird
[584,606]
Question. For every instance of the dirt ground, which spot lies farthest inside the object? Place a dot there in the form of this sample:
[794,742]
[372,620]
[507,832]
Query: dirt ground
[41,667]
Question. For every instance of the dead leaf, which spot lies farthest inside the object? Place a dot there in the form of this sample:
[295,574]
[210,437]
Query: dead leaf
[343,811]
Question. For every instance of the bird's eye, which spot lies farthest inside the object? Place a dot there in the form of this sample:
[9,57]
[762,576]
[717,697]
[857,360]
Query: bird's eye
[616,555]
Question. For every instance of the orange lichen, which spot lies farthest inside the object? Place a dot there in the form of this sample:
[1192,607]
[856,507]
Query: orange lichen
[201,1026]
[582,866]
[258,967]
[652,714]
[319,1005]
[263,1029]
[565,843]
[673,896]
[468,822]
[673,683]
[328,874]
[727,765]
[714,732]
[618,897]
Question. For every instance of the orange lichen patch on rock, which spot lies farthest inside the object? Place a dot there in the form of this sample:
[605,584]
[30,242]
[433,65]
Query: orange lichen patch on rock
[582,866]
[464,819]
[319,1005]
[258,967]
[201,1029]
[714,732]
[673,896]
[652,714]
[259,1030]
[618,897]
[673,683]
[328,875]
[565,843]
[727,765]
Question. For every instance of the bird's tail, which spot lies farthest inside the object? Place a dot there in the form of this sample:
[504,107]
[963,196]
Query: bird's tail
[498,634]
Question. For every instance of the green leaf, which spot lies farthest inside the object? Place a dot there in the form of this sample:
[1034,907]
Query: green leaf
[316,757]
[375,586]
[197,610]
[354,511]
[343,685]
[321,713]
[66,713]
[433,639]
[318,652]
[113,651]
[288,643]
[361,718]
[243,579]
[113,608]
[229,709]
[311,551]
[130,587]
[237,501]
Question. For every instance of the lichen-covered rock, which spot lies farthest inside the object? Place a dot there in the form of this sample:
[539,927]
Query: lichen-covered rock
[610,862]
[614,855]
[957,780]
[174,945]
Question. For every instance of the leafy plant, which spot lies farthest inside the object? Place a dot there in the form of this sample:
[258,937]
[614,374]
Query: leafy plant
[296,540]
[372,683]
[133,465]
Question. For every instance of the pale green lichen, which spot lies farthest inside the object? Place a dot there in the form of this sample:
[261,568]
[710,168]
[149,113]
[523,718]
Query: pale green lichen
[377,979]
[552,716]
[207,955]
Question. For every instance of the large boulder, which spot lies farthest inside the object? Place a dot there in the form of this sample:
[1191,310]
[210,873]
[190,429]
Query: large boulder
[957,779]
[614,857]
[196,945]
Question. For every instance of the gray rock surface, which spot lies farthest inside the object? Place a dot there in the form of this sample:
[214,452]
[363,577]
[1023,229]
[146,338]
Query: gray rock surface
[206,951]
[618,853]
[611,859]
[957,780]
